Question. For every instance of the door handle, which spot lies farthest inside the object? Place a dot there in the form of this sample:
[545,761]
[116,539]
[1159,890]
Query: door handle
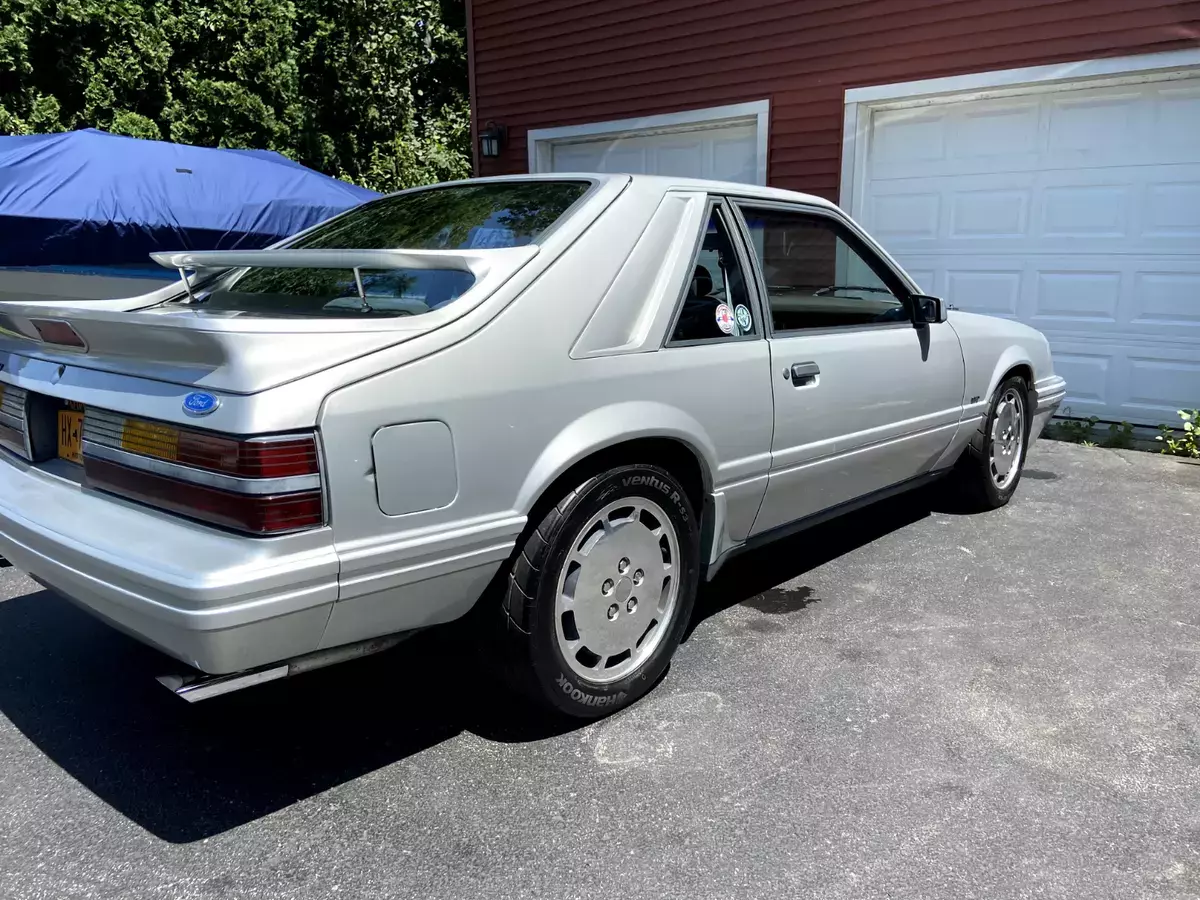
[803,374]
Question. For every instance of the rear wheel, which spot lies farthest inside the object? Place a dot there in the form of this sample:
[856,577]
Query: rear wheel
[990,468]
[601,591]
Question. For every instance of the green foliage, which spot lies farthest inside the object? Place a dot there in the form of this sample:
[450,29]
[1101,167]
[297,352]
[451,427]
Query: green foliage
[373,91]
[1182,442]
[1073,431]
[1120,436]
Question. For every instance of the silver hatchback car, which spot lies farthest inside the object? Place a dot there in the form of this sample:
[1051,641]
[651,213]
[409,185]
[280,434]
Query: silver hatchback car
[567,398]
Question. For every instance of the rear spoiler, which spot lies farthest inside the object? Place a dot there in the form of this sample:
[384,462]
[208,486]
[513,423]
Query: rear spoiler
[480,263]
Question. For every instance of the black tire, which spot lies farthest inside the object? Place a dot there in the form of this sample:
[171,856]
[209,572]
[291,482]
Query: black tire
[975,475]
[531,654]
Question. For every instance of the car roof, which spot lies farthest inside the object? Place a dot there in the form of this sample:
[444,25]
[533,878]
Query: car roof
[660,184]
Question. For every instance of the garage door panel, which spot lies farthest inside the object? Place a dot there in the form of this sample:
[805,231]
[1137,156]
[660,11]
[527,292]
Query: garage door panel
[1096,121]
[906,218]
[1070,130]
[1004,129]
[727,152]
[1172,210]
[1126,381]
[1177,113]
[1144,297]
[908,140]
[967,279]
[1076,211]
[995,293]
[733,158]
[989,213]
[1136,210]
[927,280]
[973,210]
[1089,211]
[1168,299]
[1162,384]
[1069,298]
[684,158]
[596,157]
[1087,378]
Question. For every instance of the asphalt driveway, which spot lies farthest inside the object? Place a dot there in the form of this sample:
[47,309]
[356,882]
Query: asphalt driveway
[906,703]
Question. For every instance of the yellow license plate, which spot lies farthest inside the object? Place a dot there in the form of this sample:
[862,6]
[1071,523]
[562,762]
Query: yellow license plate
[70,435]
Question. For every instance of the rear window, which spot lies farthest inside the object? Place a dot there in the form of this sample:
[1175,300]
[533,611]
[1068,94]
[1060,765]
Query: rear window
[459,217]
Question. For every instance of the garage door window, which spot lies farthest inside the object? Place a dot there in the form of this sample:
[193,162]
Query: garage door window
[818,275]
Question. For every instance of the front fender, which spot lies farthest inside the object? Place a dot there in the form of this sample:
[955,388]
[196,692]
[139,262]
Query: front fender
[608,426]
[1009,359]
[993,347]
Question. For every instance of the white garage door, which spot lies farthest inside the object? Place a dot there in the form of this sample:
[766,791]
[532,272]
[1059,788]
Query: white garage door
[724,152]
[1076,211]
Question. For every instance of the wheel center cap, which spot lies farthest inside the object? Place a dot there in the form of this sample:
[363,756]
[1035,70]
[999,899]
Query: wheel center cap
[623,589]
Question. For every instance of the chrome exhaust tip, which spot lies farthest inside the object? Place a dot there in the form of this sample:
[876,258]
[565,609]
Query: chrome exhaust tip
[195,686]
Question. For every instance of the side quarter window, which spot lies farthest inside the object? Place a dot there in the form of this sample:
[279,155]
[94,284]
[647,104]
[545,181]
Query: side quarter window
[818,274]
[716,304]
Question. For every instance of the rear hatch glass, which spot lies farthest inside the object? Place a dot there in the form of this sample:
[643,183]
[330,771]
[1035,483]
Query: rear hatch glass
[492,215]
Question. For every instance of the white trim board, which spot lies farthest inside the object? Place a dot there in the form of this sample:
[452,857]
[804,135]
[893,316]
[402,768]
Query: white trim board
[757,112]
[861,102]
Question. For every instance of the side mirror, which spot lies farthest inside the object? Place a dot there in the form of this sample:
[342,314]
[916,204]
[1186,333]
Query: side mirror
[929,310]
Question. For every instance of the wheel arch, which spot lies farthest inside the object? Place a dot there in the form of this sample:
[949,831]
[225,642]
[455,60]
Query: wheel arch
[622,433]
[1013,361]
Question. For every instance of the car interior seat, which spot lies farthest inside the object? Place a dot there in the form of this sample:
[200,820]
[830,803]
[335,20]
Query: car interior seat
[698,318]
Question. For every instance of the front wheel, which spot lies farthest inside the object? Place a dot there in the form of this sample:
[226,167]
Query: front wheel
[600,594]
[990,468]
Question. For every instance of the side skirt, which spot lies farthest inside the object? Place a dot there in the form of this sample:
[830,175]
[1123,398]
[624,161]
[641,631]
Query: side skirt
[825,515]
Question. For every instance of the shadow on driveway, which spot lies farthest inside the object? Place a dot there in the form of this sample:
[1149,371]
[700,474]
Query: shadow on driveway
[85,696]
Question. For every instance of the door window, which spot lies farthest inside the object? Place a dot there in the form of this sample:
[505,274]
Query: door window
[819,275]
[716,305]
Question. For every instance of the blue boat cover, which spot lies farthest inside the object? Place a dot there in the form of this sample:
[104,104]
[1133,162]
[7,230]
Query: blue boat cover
[89,198]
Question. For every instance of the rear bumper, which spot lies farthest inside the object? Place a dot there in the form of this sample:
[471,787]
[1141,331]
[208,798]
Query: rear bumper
[216,601]
[1049,394]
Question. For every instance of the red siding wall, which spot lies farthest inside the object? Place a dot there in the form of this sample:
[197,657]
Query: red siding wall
[544,63]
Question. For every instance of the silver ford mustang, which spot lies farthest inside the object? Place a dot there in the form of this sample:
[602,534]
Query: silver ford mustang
[563,401]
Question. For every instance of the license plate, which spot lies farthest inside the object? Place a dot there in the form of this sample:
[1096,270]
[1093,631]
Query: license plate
[70,435]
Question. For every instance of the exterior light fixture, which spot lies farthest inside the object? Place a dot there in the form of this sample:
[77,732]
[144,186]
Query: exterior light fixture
[491,140]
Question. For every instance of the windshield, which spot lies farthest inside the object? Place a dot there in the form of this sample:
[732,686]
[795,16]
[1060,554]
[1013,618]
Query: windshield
[457,217]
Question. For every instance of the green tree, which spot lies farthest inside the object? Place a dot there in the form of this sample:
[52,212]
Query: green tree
[373,91]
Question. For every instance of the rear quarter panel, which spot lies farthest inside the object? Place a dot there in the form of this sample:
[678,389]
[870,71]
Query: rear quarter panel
[521,411]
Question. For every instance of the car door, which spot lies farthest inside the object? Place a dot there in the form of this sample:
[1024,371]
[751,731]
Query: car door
[864,399]
[717,338]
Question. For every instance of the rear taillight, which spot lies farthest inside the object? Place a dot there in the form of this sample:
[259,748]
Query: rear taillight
[259,485]
[12,420]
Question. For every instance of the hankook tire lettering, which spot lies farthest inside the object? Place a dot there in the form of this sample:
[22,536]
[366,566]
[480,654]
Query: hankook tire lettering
[587,699]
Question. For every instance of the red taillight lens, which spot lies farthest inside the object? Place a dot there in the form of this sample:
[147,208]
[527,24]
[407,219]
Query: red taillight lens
[264,458]
[275,457]
[262,485]
[254,513]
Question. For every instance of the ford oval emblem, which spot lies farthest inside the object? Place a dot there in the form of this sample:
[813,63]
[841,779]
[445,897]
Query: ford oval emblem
[199,403]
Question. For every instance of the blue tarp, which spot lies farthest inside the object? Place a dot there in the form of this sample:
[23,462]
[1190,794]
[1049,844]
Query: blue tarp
[89,198]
